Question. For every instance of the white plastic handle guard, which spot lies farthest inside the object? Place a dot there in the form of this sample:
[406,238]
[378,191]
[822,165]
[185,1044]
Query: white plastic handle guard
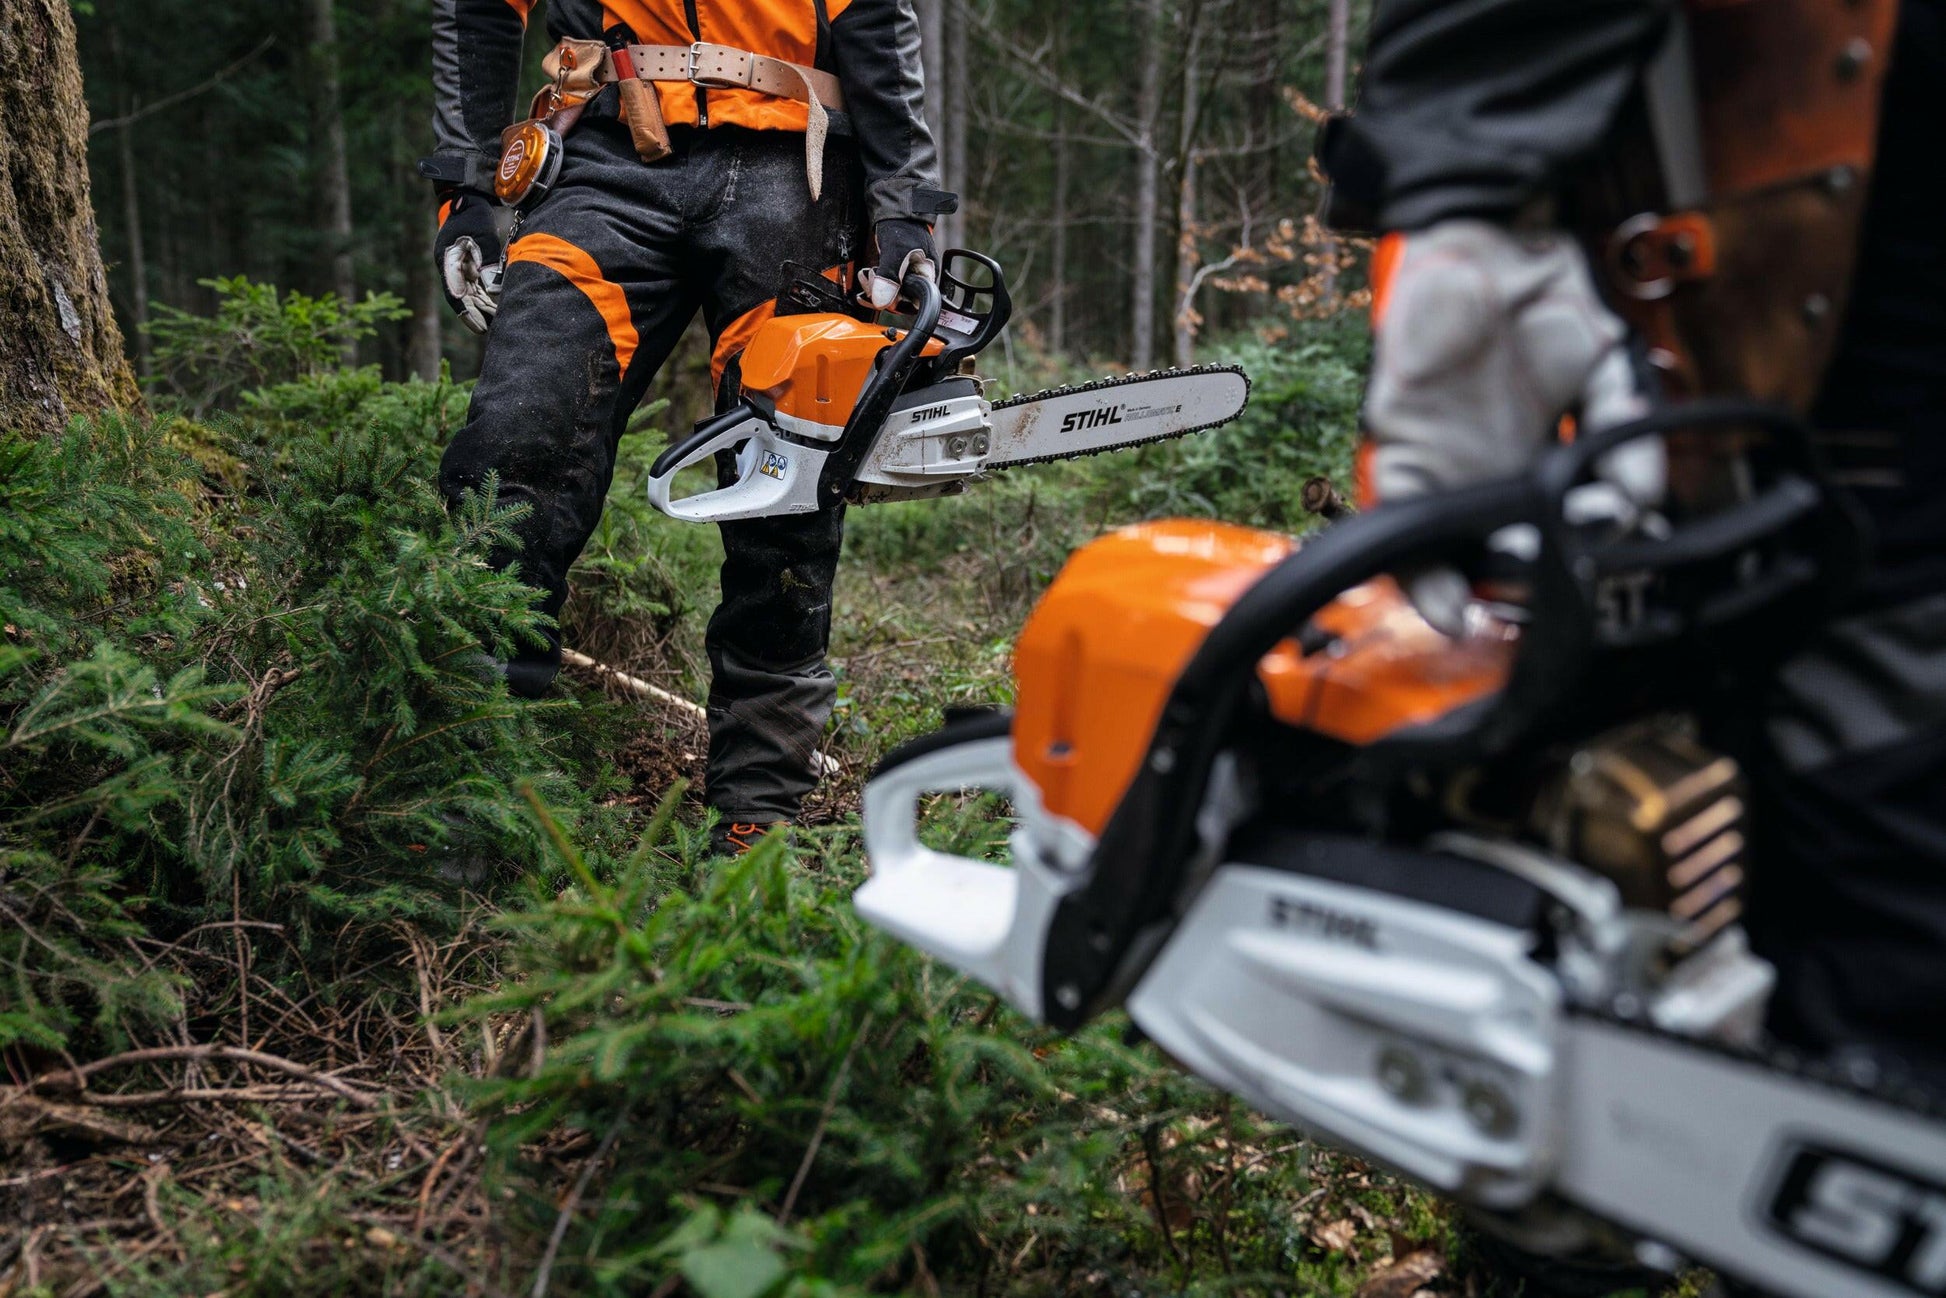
[773,477]
[989,921]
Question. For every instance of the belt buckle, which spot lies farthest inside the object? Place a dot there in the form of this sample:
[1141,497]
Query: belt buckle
[718,82]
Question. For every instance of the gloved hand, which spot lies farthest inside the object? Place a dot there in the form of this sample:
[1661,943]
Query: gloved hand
[905,246]
[467,253]
[1490,335]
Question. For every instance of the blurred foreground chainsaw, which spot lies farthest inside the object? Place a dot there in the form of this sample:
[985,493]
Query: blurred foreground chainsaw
[1469,908]
[836,407]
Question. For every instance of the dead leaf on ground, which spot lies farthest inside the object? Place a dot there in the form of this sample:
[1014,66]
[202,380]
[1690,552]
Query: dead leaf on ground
[1407,1277]
[1333,1236]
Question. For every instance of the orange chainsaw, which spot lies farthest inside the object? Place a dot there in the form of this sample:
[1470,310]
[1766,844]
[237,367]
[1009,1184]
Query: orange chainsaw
[837,406]
[1470,908]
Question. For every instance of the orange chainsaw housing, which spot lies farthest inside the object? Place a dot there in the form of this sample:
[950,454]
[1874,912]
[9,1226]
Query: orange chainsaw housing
[1098,657]
[814,366]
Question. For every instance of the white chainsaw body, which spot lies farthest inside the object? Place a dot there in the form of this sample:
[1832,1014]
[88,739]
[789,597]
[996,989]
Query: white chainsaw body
[1421,983]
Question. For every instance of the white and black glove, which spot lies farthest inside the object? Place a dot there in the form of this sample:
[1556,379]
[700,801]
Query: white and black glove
[905,247]
[467,252]
[1488,338]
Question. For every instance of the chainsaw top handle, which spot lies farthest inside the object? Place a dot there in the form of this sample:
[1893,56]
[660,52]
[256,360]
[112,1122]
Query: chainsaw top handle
[891,371]
[1734,582]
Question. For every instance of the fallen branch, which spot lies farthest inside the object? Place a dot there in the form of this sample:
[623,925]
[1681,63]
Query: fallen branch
[75,1080]
[635,684]
[823,763]
[824,1121]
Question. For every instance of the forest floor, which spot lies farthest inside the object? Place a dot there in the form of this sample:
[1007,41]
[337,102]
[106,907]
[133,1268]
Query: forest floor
[621,1068]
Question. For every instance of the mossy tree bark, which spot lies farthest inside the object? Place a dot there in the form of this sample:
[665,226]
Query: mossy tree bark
[60,350]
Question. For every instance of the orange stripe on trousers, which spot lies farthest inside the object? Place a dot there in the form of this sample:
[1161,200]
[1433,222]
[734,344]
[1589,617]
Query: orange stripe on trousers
[579,269]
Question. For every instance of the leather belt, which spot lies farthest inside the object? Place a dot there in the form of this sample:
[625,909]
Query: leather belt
[724,67]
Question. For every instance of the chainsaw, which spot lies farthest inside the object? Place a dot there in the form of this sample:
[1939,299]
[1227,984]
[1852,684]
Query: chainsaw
[833,406]
[1468,908]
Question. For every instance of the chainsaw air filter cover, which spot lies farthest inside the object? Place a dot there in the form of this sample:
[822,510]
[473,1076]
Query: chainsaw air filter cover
[1098,658]
[812,367]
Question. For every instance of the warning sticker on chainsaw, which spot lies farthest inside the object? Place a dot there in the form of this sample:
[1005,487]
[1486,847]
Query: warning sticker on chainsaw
[774,465]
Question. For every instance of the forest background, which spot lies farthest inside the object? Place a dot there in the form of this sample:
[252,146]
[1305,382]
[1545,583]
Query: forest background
[325,968]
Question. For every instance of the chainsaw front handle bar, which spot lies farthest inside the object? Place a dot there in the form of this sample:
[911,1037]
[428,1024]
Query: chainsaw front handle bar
[891,372]
[778,473]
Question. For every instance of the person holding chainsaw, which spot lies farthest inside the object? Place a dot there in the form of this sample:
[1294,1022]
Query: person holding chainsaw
[682,153]
[1758,186]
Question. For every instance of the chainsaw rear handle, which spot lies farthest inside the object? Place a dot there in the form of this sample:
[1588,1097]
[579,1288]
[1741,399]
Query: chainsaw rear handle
[773,476]
[708,437]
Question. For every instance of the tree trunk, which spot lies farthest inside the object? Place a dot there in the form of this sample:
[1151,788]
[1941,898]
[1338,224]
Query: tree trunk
[1188,245]
[1057,315]
[1148,167]
[1336,57]
[138,262]
[328,137]
[60,350]
[932,57]
[956,109]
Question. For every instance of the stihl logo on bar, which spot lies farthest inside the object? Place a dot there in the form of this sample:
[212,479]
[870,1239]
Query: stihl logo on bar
[1320,921]
[930,412]
[1865,1214]
[1081,420]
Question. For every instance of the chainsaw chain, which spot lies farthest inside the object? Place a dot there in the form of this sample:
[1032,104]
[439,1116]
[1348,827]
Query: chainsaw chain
[1883,1088]
[1119,381]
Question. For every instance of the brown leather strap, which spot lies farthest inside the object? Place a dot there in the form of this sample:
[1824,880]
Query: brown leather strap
[724,67]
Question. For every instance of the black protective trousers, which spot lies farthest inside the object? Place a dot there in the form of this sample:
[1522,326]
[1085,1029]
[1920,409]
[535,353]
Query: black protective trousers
[605,275]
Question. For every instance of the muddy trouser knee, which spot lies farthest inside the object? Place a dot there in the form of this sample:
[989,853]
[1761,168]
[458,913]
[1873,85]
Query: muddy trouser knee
[1848,888]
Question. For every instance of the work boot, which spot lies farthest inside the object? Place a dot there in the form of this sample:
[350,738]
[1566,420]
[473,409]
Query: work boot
[735,838]
[533,667]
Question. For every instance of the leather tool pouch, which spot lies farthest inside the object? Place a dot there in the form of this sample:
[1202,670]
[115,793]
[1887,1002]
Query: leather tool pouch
[642,110]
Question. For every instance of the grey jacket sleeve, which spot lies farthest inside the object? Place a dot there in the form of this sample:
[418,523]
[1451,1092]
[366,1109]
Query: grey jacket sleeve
[875,52]
[475,74]
[1474,107]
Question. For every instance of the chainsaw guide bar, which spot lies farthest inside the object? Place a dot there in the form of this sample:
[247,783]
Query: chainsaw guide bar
[1046,395]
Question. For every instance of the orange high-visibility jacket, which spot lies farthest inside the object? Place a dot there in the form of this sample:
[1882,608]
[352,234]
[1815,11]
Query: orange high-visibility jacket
[872,46]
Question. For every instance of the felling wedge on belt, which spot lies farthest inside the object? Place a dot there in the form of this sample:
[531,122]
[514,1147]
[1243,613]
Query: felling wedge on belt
[836,406]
